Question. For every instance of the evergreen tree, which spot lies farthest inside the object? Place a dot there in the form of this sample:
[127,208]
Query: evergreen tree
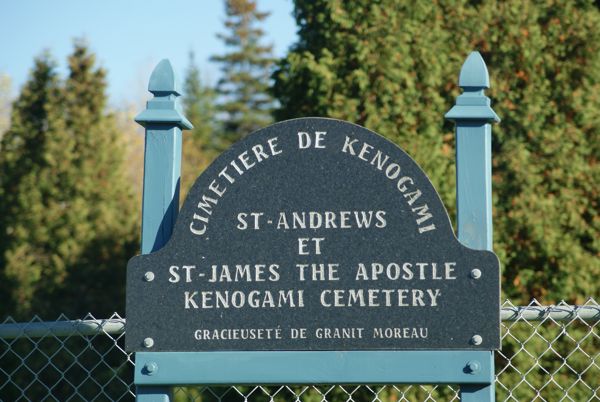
[199,144]
[393,66]
[66,213]
[107,218]
[34,159]
[244,89]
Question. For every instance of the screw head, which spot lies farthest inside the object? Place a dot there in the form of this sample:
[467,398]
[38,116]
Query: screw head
[148,342]
[473,366]
[476,340]
[150,368]
[149,276]
[475,273]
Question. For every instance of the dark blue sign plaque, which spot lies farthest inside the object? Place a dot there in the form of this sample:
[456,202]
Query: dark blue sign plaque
[313,234]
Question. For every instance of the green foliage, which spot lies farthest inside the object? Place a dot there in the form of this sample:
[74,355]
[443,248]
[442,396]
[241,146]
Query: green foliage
[546,63]
[245,101]
[66,212]
[34,153]
[548,362]
[393,66]
[200,145]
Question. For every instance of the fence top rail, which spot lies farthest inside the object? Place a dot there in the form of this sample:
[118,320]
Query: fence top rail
[116,326]
[554,313]
[40,329]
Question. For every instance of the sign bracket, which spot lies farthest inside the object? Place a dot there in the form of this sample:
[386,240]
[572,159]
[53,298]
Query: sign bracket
[315,367]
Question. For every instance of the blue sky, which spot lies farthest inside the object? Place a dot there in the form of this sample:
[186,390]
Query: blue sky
[128,36]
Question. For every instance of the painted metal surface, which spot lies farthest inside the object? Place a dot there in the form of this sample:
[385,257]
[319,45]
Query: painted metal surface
[164,107]
[162,167]
[473,167]
[62,328]
[153,394]
[473,115]
[163,121]
[375,367]
[477,393]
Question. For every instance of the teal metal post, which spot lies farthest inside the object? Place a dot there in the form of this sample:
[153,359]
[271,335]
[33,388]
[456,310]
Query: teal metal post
[163,122]
[473,115]
[162,158]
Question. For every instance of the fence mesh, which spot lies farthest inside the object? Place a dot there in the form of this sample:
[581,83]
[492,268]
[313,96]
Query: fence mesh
[549,353]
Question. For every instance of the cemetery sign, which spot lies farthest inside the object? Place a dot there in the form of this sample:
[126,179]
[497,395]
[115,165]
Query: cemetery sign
[313,234]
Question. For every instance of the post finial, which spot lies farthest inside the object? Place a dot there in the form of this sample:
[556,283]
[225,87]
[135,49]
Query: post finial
[472,104]
[163,78]
[163,108]
[474,72]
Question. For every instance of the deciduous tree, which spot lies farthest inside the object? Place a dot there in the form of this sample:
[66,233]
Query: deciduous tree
[5,101]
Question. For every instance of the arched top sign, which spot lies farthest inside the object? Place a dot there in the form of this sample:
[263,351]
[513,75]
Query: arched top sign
[313,234]
[319,164]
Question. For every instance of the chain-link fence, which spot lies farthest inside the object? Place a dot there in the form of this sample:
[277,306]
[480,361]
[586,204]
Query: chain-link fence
[549,353]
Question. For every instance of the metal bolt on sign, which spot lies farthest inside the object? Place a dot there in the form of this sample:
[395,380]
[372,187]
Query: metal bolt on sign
[473,366]
[476,340]
[150,368]
[148,342]
[475,273]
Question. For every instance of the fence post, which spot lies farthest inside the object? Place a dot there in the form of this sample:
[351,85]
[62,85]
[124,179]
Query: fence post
[473,115]
[163,122]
